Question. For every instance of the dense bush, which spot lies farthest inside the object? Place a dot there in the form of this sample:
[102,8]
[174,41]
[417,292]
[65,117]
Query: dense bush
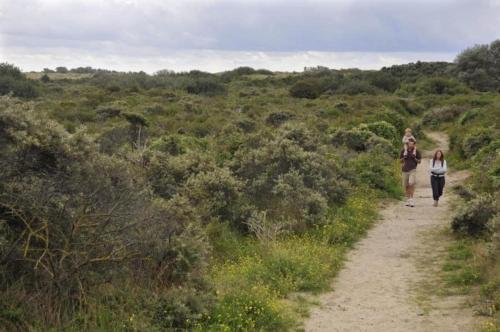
[310,88]
[474,217]
[433,85]
[355,87]
[479,66]
[278,118]
[167,174]
[217,195]
[206,86]
[182,309]
[411,72]
[475,140]
[355,139]
[12,80]
[440,115]
[288,180]
[72,218]
[384,81]
[384,130]
[371,170]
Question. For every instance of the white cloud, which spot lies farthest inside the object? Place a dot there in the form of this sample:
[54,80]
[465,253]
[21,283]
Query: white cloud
[180,34]
[216,60]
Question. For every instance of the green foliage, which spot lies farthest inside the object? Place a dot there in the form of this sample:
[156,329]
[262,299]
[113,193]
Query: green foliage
[12,80]
[217,194]
[474,217]
[356,87]
[289,178]
[136,119]
[310,88]
[371,171]
[468,116]
[62,70]
[439,115]
[384,130]
[411,72]
[181,308]
[479,66]
[43,222]
[201,201]
[45,78]
[475,140]
[278,118]
[251,309]
[355,139]
[206,86]
[433,85]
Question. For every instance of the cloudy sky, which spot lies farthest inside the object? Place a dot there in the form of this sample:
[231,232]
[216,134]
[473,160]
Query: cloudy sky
[216,35]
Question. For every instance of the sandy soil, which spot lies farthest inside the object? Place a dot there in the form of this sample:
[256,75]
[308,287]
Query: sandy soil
[381,283]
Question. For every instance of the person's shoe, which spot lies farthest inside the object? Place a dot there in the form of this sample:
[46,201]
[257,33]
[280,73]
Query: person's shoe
[412,203]
[435,203]
[407,202]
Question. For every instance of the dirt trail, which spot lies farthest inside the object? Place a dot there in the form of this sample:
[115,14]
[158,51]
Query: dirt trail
[381,284]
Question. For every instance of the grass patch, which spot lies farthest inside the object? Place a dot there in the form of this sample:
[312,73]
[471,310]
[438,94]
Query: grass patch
[255,287]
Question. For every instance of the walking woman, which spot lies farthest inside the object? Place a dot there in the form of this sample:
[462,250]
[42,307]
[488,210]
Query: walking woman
[438,169]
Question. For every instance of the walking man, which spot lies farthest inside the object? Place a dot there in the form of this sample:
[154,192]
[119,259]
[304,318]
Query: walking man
[410,157]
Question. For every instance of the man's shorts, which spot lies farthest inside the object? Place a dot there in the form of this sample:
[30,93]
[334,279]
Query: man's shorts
[409,178]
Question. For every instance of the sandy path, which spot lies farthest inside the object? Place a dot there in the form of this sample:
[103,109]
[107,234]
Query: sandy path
[378,288]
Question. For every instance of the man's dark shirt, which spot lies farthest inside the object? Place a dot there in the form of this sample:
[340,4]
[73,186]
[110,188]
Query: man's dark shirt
[410,161]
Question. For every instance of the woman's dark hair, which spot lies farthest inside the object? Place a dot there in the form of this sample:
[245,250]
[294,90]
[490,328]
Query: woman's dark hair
[435,155]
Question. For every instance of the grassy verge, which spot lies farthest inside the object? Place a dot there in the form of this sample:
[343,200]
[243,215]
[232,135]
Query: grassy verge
[255,288]
[469,269]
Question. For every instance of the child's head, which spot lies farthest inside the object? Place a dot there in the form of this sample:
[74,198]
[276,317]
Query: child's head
[408,132]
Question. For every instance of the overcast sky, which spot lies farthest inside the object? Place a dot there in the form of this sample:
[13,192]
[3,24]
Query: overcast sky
[215,35]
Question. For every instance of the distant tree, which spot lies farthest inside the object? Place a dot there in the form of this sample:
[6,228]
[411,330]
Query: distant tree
[479,66]
[83,70]
[45,78]
[138,124]
[62,70]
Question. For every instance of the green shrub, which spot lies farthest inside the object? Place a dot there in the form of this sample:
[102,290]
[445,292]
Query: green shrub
[278,118]
[120,228]
[246,125]
[12,80]
[170,144]
[254,309]
[310,89]
[167,174]
[384,130]
[217,194]
[476,140]
[181,309]
[468,115]
[289,178]
[355,139]
[108,112]
[440,86]
[440,115]
[206,86]
[397,120]
[473,218]
[371,170]
[478,66]
[356,87]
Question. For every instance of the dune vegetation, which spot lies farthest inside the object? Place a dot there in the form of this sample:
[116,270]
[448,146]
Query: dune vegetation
[218,202]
